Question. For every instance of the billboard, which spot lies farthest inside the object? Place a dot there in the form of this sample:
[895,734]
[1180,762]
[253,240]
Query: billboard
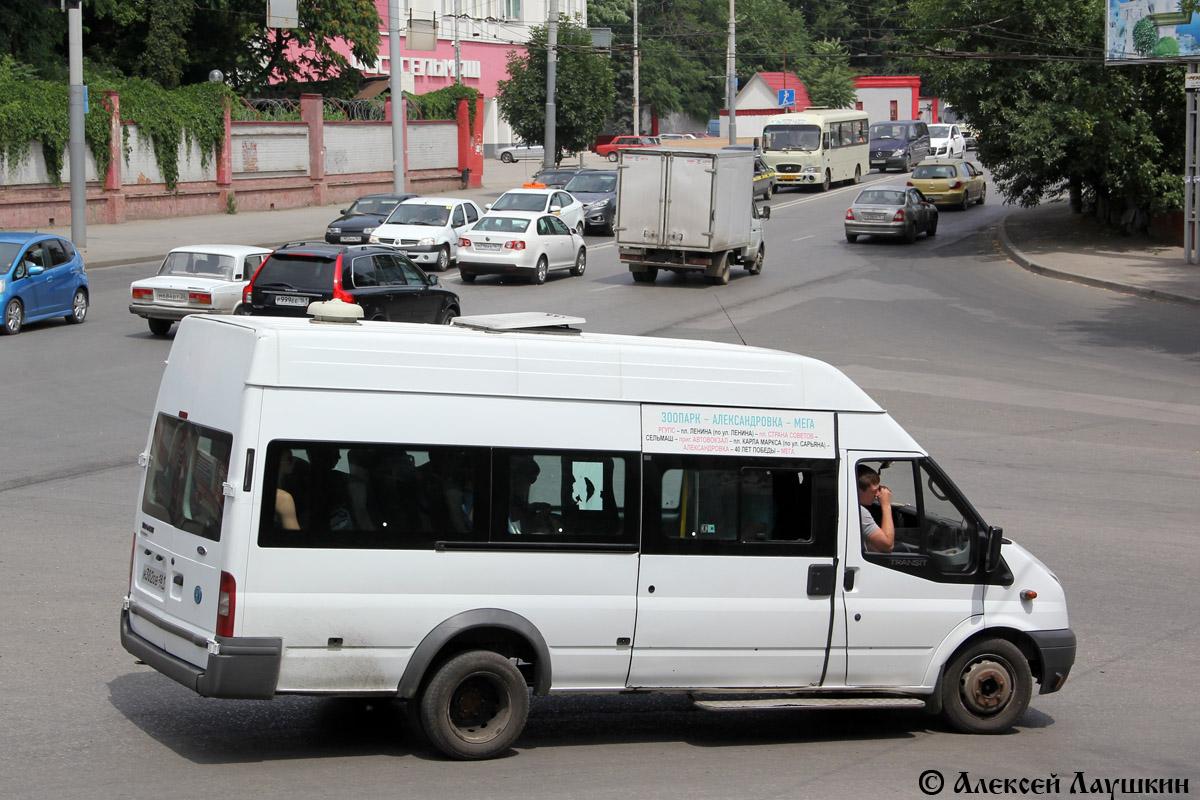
[1151,30]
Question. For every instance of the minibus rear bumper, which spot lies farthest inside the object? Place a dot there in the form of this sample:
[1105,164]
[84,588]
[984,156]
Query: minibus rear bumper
[245,668]
[1056,649]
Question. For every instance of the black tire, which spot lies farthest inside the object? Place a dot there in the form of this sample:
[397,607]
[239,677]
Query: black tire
[475,706]
[540,272]
[443,259]
[79,308]
[580,262]
[159,327]
[14,317]
[910,233]
[825,184]
[773,189]
[507,158]
[983,194]
[756,266]
[581,228]
[965,202]
[467,277]
[448,316]
[986,687]
[646,276]
[932,228]
[851,237]
[722,276]
[613,156]
[857,174]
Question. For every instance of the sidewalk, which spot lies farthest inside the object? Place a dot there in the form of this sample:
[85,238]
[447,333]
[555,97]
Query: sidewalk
[150,240]
[1050,240]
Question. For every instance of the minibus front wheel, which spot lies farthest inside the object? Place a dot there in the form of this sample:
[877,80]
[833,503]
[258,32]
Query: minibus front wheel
[986,687]
[475,705]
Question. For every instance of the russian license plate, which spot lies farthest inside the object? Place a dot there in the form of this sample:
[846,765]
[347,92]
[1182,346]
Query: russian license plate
[486,246]
[877,161]
[874,216]
[172,297]
[290,300]
[932,197]
[352,238]
[154,578]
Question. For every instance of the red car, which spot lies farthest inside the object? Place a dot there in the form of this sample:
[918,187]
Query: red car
[610,149]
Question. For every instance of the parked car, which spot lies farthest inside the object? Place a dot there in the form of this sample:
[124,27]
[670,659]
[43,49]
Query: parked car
[363,216]
[662,137]
[556,177]
[547,201]
[196,279]
[530,244]
[597,190]
[383,281]
[947,140]
[888,210]
[611,150]
[898,144]
[950,182]
[427,229]
[528,152]
[41,276]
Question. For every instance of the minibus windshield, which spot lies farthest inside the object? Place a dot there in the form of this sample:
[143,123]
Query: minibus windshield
[791,137]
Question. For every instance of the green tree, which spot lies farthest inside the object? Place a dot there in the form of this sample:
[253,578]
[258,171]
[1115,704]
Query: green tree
[1050,115]
[30,33]
[1145,36]
[583,88]
[827,76]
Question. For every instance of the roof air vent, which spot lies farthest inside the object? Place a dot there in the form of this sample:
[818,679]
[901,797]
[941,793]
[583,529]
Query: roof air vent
[337,312]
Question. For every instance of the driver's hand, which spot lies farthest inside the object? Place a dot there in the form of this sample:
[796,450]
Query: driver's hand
[885,495]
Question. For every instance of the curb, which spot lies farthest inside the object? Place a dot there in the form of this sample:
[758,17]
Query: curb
[1098,283]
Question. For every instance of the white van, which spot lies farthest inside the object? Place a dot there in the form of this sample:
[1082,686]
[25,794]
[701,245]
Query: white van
[457,515]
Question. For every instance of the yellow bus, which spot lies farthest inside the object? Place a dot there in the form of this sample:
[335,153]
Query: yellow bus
[817,147]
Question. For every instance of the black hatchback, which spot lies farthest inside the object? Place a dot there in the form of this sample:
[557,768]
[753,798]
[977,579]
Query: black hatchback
[386,284]
[359,221]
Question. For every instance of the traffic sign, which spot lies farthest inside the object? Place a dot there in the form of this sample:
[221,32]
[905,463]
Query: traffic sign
[787,97]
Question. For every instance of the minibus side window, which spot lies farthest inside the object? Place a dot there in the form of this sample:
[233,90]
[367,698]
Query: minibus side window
[187,470]
[729,506]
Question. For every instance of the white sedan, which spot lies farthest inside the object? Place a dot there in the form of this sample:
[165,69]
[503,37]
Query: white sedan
[547,201]
[529,244]
[197,279]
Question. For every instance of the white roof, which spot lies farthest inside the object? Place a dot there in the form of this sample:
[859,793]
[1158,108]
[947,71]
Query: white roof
[234,250]
[434,201]
[532,190]
[451,359]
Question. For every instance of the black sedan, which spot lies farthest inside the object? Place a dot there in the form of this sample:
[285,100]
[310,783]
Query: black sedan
[357,222]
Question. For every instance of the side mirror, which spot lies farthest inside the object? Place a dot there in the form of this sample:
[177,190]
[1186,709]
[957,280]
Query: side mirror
[433,279]
[993,540]
[343,211]
[765,212]
[36,271]
[555,209]
[487,207]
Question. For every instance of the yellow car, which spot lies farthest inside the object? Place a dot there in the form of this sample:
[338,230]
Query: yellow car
[950,182]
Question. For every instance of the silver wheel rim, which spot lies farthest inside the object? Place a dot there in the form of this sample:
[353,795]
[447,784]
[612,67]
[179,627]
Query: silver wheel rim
[541,271]
[12,317]
[79,307]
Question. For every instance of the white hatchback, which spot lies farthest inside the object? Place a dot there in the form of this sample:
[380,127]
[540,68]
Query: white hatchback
[196,279]
[528,244]
[947,140]
[427,229]
[540,199]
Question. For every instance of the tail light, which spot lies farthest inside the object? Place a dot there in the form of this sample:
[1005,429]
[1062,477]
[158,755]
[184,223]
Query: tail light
[464,242]
[956,184]
[226,604]
[850,213]
[200,298]
[515,244]
[143,294]
[338,292]
[899,216]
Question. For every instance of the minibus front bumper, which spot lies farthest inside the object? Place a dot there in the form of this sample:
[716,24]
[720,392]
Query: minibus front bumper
[1056,650]
[244,668]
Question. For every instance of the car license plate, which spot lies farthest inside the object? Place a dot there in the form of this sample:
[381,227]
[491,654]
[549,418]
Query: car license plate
[172,297]
[932,197]
[154,578]
[874,216]
[290,300]
[485,246]
[352,238]
[875,161]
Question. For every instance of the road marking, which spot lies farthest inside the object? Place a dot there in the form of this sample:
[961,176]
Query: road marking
[802,238]
[601,246]
[606,288]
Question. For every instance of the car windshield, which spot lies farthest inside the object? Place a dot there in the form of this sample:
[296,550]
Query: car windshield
[379,206]
[791,137]
[520,201]
[296,271]
[886,131]
[208,265]
[939,131]
[419,214]
[488,224]
[596,184]
[8,253]
[935,171]
[881,197]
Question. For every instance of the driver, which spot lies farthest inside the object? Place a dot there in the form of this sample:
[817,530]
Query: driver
[879,538]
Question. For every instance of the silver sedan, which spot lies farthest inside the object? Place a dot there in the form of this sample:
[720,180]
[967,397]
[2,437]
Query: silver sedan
[900,211]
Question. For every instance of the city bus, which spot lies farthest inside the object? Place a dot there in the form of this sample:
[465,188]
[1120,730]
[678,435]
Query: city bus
[817,147]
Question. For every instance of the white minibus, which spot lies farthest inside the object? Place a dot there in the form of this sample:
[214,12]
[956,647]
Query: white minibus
[457,516]
[817,147]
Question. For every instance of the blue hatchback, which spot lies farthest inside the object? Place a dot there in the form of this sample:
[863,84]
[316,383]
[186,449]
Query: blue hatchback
[41,276]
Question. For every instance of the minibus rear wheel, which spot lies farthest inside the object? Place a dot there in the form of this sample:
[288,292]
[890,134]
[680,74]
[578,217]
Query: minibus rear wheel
[987,687]
[475,705]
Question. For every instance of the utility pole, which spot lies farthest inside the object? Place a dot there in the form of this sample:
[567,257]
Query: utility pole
[731,77]
[457,46]
[637,60]
[550,146]
[76,97]
[397,90]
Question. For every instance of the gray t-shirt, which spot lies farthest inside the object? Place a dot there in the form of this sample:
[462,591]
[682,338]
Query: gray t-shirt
[868,522]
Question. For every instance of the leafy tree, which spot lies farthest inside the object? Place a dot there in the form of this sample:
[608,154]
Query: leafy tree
[1145,36]
[827,76]
[583,88]
[29,32]
[1050,115]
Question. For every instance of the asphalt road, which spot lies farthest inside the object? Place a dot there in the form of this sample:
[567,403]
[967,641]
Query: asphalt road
[1069,415]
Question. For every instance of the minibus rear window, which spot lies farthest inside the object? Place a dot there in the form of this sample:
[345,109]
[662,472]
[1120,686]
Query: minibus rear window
[185,476]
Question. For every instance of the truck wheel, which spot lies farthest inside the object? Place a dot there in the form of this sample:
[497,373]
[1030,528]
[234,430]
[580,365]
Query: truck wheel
[986,688]
[755,267]
[646,276]
[722,271]
[475,706]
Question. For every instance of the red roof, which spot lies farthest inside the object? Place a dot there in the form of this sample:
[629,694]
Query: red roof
[788,80]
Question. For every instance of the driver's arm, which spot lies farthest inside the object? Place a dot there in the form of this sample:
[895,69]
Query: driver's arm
[883,538]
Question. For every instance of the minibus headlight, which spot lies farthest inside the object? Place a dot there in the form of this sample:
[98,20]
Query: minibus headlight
[809,168]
